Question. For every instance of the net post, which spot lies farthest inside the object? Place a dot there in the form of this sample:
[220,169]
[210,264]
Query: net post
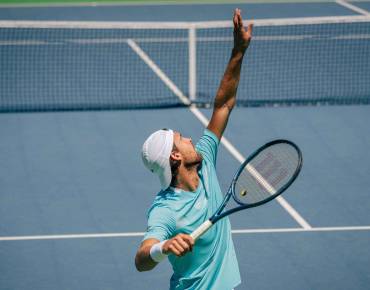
[192,63]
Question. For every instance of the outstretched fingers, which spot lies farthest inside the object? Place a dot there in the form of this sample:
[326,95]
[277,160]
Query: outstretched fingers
[237,19]
[242,35]
[240,20]
[250,29]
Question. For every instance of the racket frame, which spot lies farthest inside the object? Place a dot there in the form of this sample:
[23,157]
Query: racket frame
[231,191]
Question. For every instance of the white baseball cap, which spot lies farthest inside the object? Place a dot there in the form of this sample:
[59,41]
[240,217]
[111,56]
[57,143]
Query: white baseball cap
[156,155]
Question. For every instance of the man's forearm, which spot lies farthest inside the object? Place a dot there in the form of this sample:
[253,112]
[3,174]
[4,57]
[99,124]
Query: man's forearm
[229,84]
[143,261]
[226,95]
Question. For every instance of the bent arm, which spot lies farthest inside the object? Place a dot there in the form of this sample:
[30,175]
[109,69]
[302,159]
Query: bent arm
[143,261]
[178,245]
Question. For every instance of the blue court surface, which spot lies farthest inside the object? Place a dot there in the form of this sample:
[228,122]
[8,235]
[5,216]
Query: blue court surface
[74,193]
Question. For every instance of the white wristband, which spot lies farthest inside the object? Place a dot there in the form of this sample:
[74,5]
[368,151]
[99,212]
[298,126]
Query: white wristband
[156,252]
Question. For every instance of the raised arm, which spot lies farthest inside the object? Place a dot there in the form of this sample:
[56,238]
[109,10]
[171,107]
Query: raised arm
[226,94]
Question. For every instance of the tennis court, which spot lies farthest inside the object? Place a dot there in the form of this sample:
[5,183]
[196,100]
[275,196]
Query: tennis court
[73,190]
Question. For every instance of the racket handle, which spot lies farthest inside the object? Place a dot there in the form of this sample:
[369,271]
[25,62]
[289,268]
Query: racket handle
[201,229]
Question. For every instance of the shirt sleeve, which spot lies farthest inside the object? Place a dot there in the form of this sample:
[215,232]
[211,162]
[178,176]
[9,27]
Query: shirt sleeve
[208,146]
[161,224]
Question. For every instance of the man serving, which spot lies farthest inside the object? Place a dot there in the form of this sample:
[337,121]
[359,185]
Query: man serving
[191,193]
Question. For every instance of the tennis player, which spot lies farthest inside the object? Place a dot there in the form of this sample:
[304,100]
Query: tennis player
[191,193]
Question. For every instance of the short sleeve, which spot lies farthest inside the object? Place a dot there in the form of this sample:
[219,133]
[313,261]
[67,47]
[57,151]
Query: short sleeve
[161,225]
[208,146]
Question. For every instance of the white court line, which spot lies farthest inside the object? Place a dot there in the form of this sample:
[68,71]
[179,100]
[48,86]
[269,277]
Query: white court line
[74,236]
[281,200]
[140,234]
[83,41]
[297,230]
[352,7]
[293,213]
[170,84]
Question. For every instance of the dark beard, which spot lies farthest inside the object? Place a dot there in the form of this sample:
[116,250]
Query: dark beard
[197,163]
[199,167]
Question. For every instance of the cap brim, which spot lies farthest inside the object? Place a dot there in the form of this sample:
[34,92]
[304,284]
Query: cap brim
[165,177]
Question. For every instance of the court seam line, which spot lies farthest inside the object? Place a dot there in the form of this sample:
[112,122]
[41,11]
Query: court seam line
[140,234]
[353,7]
[231,148]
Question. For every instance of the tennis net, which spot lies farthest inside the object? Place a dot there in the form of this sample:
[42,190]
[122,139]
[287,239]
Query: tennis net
[124,65]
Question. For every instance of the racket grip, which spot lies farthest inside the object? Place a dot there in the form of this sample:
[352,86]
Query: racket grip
[201,229]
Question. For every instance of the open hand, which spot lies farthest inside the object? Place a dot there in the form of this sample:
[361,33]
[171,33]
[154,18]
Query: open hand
[242,37]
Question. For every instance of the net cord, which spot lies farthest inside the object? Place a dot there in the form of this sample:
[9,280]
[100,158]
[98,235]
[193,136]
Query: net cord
[179,25]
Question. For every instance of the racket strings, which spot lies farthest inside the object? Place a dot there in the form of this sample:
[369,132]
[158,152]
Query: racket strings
[249,189]
[268,172]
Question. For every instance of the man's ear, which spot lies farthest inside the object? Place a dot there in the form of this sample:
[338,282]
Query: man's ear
[175,155]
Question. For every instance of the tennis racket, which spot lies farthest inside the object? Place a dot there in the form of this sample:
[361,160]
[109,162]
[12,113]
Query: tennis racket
[264,175]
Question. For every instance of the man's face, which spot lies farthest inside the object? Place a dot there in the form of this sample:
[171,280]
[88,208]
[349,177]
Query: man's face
[186,149]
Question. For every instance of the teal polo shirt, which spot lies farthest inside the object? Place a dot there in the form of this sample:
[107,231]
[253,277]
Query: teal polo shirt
[212,265]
